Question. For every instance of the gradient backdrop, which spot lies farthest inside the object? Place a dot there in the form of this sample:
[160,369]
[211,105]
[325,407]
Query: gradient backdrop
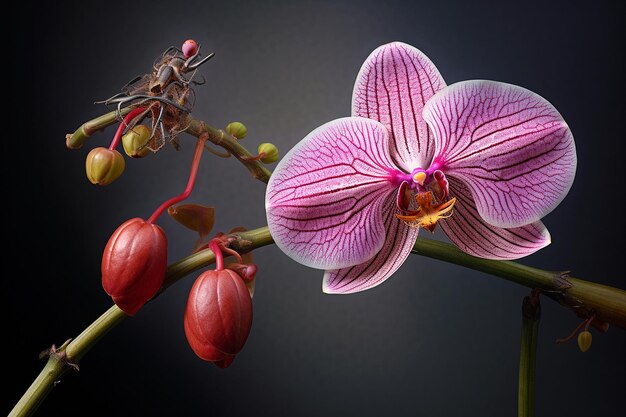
[435,340]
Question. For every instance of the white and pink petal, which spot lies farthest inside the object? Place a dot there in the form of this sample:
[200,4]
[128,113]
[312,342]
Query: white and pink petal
[392,87]
[325,199]
[399,241]
[510,146]
[467,230]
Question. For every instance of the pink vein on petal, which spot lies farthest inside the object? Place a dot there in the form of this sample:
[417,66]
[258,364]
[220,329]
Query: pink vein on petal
[392,87]
[509,145]
[324,200]
[399,241]
[467,230]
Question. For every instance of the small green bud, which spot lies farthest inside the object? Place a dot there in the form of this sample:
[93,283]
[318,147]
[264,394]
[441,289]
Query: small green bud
[584,340]
[103,166]
[135,140]
[271,153]
[237,129]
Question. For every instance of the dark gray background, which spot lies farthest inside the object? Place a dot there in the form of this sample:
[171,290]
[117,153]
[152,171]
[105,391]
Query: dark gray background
[435,340]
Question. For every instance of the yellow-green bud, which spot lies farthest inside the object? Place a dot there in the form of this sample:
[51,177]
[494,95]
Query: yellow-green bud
[584,340]
[237,129]
[271,153]
[103,166]
[135,140]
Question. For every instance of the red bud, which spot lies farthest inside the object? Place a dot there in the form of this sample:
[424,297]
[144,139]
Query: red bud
[134,263]
[218,316]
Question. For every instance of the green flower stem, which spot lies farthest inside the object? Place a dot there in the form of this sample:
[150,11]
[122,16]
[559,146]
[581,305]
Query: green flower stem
[40,388]
[75,140]
[531,313]
[607,303]
[584,297]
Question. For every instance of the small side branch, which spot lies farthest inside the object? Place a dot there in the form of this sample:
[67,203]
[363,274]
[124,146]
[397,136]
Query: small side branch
[223,139]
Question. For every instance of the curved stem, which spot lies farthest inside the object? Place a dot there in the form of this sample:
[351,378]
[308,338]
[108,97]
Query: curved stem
[233,253]
[120,129]
[254,158]
[193,173]
[232,145]
[608,303]
[585,298]
[573,333]
[214,245]
[215,152]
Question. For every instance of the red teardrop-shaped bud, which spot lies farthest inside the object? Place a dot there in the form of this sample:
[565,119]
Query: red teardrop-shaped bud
[134,263]
[218,316]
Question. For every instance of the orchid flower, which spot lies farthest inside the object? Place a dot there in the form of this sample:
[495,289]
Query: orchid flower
[484,159]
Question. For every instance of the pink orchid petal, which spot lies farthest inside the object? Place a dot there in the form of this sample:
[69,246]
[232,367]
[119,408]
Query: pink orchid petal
[324,200]
[467,230]
[397,247]
[392,87]
[509,145]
